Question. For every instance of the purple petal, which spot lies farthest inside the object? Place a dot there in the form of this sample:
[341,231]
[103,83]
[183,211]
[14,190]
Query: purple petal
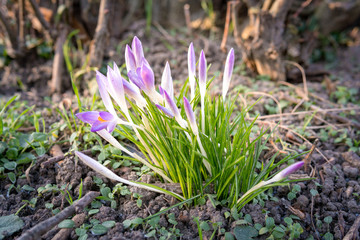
[147,76]
[191,60]
[165,110]
[137,50]
[102,80]
[290,169]
[161,91]
[111,126]
[106,116]
[134,77]
[202,69]
[171,104]
[116,83]
[229,66]
[167,81]
[88,117]
[97,126]
[131,89]
[190,115]
[129,59]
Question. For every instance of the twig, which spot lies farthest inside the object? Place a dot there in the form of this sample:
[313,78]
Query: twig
[353,232]
[98,44]
[226,28]
[306,93]
[10,31]
[58,65]
[64,233]
[41,18]
[307,158]
[21,25]
[42,227]
[187,18]
[56,159]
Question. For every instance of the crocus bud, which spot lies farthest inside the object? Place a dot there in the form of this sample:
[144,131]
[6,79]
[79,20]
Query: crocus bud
[286,172]
[202,73]
[129,59]
[174,109]
[147,76]
[116,84]
[165,110]
[138,51]
[167,81]
[229,66]
[191,69]
[191,116]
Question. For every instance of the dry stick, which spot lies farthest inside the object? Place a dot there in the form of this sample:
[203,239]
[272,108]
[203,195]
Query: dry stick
[226,28]
[21,26]
[351,234]
[10,31]
[98,44]
[41,228]
[338,118]
[64,233]
[187,18]
[53,160]
[58,65]
[307,158]
[41,18]
[306,92]
[297,134]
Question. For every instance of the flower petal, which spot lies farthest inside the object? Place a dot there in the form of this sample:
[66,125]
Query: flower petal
[97,126]
[165,110]
[229,66]
[192,69]
[88,117]
[202,70]
[102,80]
[106,116]
[129,59]
[136,79]
[138,51]
[111,126]
[167,81]
[191,116]
[147,76]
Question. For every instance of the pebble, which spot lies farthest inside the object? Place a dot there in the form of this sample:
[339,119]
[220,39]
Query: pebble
[351,172]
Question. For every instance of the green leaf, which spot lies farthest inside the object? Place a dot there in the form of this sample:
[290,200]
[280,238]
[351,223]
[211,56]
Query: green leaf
[288,220]
[314,192]
[3,146]
[245,232]
[83,237]
[205,226]
[263,231]
[25,158]
[93,211]
[80,231]
[108,224]
[40,151]
[12,177]
[229,236]
[67,223]
[269,222]
[39,136]
[328,219]
[27,188]
[10,165]
[12,153]
[105,191]
[99,230]
[9,225]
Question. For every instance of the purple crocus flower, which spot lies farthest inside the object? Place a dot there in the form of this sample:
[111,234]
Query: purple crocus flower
[229,66]
[147,76]
[138,51]
[174,109]
[103,84]
[202,73]
[287,171]
[98,120]
[191,69]
[191,116]
[165,110]
[129,59]
[167,81]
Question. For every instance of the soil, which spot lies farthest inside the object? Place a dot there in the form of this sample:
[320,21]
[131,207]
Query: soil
[336,178]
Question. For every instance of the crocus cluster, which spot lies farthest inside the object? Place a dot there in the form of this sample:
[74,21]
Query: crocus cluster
[138,91]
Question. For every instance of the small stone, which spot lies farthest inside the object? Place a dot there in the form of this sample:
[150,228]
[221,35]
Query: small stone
[351,172]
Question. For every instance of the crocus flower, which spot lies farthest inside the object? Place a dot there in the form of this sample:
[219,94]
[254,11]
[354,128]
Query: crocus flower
[98,120]
[165,110]
[129,59]
[174,109]
[286,172]
[167,81]
[103,85]
[191,69]
[115,82]
[191,116]
[138,51]
[229,66]
[202,86]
